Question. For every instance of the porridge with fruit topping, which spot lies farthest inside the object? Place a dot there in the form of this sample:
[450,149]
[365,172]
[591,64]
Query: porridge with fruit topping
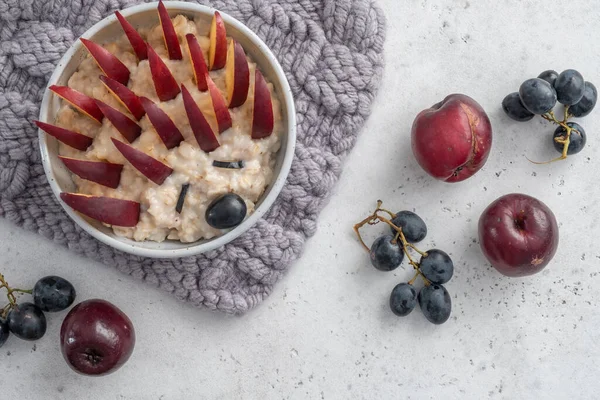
[168,134]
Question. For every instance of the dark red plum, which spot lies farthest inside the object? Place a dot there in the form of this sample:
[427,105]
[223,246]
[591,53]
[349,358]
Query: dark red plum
[518,234]
[96,338]
[452,140]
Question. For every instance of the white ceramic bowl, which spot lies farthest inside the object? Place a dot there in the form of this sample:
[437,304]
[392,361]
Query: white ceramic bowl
[109,29]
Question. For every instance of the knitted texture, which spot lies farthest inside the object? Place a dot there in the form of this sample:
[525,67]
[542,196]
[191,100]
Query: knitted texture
[332,54]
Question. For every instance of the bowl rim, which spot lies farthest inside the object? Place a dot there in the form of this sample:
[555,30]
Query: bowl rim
[278,183]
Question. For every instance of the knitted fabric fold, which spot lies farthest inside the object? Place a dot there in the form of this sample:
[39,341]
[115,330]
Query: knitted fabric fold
[332,54]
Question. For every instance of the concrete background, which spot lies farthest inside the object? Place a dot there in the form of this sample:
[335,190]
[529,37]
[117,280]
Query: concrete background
[326,331]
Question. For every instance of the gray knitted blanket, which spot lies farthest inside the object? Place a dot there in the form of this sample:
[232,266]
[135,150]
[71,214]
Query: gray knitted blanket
[332,53]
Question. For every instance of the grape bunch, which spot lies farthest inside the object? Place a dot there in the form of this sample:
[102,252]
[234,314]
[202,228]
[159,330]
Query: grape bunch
[539,96]
[435,267]
[27,320]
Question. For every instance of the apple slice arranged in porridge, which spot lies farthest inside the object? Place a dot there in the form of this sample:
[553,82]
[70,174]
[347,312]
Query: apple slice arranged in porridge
[262,113]
[237,75]
[129,129]
[164,82]
[136,40]
[219,106]
[70,138]
[205,136]
[80,101]
[103,173]
[234,121]
[198,63]
[125,96]
[150,167]
[110,211]
[217,55]
[164,125]
[108,63]
[169,34]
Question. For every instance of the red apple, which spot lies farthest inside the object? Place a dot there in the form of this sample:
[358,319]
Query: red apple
[150,167]
[80,101]
[169,34]
[104,209]
[217,53]
[137,43]
[219,106]
[96,338]
[237,75]
[163,124]
[108,62]
[262,114]
[126,127]
[164,83]
[206,138]
[74,139]
[451,140]
[518,234]
[198,63]
[125,96]
[103,173]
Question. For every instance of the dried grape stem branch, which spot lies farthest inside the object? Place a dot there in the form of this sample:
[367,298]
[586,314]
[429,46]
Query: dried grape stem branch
[10,294]
[374,219]
[565,140]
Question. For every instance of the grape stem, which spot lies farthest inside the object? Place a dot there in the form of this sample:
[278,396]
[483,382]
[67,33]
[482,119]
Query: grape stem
[10,294]
[374,219]
[564,140]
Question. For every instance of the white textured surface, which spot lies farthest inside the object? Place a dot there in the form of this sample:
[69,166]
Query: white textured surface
[326,331]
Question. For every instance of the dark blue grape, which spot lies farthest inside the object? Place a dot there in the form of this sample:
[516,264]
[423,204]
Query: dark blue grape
[537,96]
[227,211]
[435,303]
[27,321]
[4,332]
[385,255]
[569,87]
[514,108]
[403,299]
[436,266]
[413,227]
[549,76]
[587,102]
[577,139]
[53,294]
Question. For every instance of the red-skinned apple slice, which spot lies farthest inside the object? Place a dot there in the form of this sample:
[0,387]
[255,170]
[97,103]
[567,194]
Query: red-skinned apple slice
[110,211]
[129,99]
[217,53]
[70,138]
[163,124]
[198,63]
[262,114]
[104,173]
[138,44]
[165,84]
[150,167]
[126,127]
[80,101]
[206,138]
[221,111]
[169,34]
[108,62]
[237,75]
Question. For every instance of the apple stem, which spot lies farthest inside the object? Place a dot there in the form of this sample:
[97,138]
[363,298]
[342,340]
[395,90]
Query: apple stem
[374,219]
[12,300]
